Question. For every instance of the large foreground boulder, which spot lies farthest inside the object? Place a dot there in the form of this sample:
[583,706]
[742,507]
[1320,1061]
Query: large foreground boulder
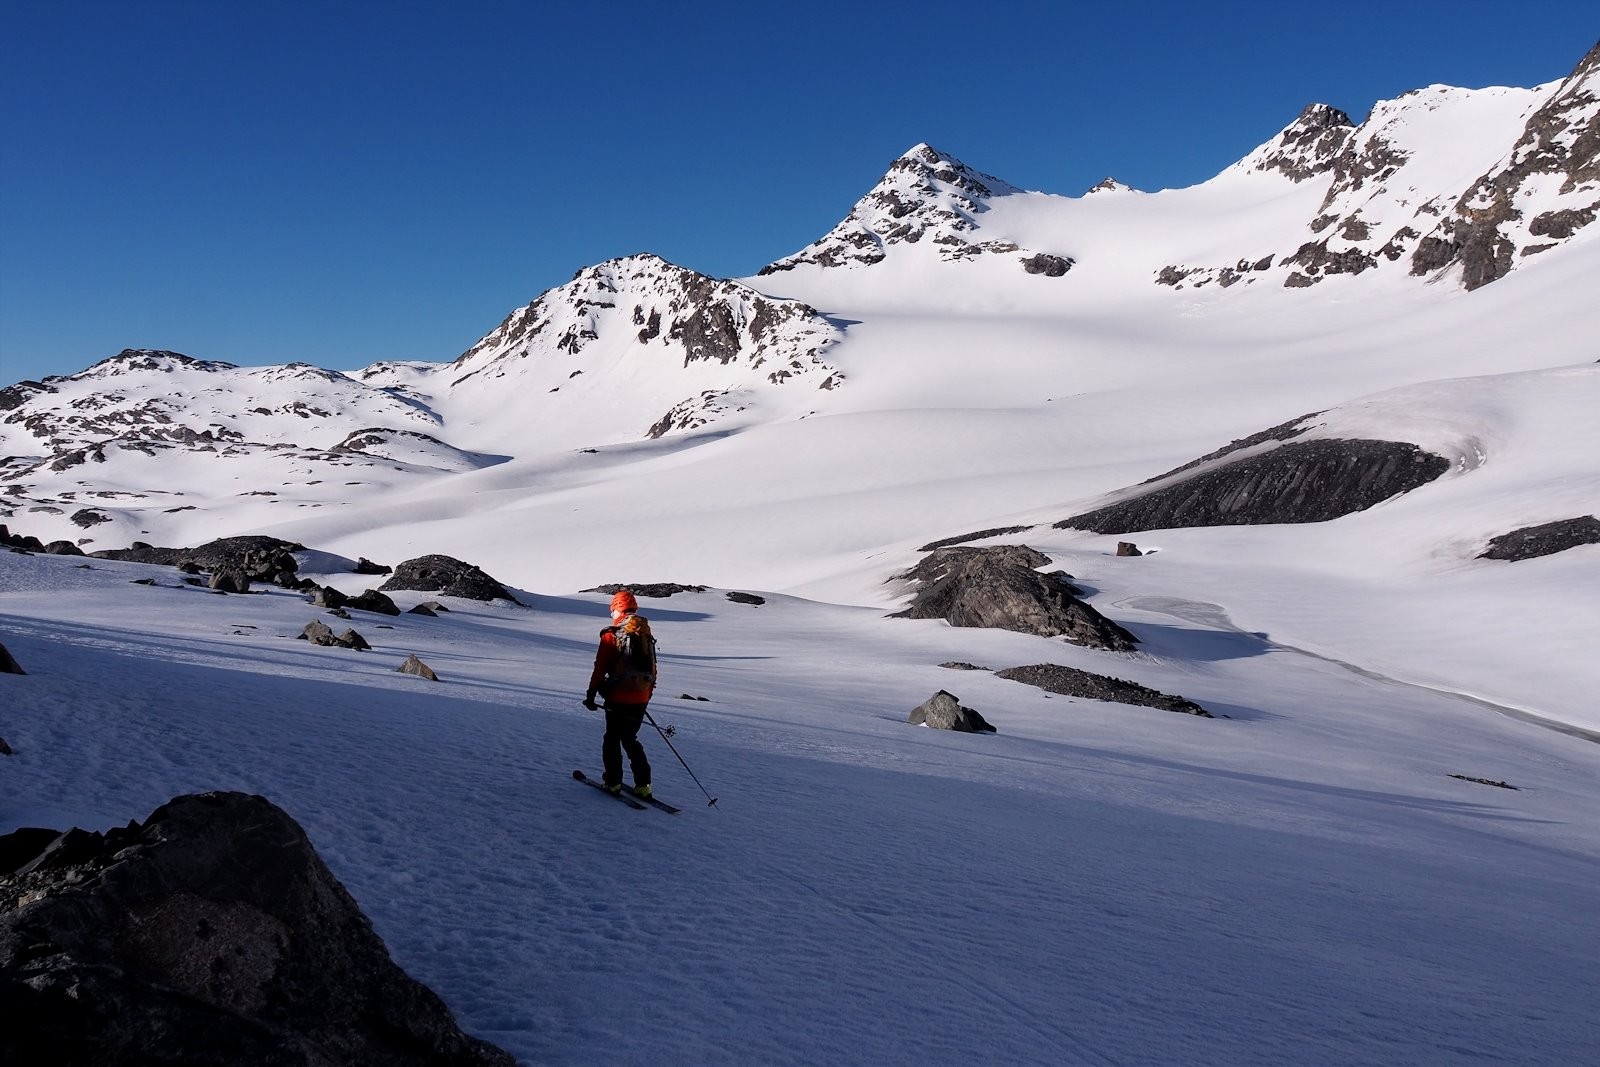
[448,576]
[211,934]
[1546,539]
[1001,587]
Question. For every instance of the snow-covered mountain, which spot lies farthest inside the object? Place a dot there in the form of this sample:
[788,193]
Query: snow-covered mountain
[956,354]
[1318,395]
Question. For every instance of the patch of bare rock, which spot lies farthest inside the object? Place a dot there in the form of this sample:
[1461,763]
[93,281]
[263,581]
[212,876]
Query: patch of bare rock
[1069,681]
[1546,539]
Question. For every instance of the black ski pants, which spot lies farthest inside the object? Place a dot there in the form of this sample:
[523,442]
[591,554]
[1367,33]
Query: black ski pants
[622,735]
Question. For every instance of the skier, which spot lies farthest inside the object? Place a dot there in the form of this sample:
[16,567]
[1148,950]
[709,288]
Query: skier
[625,676]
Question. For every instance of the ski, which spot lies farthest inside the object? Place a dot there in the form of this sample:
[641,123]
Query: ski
[624,796]
[652,801]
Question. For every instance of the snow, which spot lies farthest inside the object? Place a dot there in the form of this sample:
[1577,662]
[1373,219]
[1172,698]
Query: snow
[1297,880]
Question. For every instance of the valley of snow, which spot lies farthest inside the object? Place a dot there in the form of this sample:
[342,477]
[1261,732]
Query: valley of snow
[1298,880]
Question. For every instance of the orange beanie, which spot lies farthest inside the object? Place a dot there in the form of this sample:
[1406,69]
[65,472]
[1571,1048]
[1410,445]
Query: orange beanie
[623,603]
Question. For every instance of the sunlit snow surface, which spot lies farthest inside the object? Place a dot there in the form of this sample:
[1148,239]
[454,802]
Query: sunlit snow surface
[1298,881]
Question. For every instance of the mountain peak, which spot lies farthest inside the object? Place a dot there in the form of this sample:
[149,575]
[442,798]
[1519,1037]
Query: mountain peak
[927,195]
[1307,146]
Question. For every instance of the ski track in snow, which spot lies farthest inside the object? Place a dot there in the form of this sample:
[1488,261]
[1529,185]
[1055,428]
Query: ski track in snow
[1093,885]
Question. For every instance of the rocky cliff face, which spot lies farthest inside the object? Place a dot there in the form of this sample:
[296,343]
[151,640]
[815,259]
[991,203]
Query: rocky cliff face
[1540,195]
[1522,178]
[928,199]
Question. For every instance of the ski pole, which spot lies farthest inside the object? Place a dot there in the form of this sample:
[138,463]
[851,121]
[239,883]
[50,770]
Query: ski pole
[675,752]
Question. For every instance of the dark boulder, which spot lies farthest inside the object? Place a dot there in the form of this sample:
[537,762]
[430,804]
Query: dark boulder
[1000,587]
[8,663]
[447,576]
[747,598]
[366,566]
[415,666]
[351,639]
[423,609]
[1128,548]
[1299,481]
[229,581]
[1069,681]
[1546,539]
[329,597]
[372,600]
[211,933]
[319,633]
[63,548]
[87,517]
[943,711]
[1048,265]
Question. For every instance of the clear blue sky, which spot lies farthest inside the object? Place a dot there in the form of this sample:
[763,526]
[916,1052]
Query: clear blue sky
[341,183]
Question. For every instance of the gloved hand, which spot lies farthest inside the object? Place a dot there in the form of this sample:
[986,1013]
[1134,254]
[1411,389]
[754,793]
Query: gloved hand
[588,702]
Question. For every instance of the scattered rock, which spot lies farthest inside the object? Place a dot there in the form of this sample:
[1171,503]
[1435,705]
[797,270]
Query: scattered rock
[961,665]
[329,597]
[1069,681]
[143,581]
[319,633]
[5,749]
[1128,548]
[351,639]
[229,581]
[1484,781]
[372,600]
[1048,265]
[747,598]
[448,576]
[339,613]
[650,589]
[366,566]
[687,696]
[87,517]
[63,548]
[415,666]
[211,933]
[1546,539]
[1000,587]
[423,609]
[943,711]
[8,663]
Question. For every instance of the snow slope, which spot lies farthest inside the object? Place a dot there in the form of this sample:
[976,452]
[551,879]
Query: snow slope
[1299,881]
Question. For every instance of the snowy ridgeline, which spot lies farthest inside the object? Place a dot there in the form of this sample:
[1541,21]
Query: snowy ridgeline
[1300,879]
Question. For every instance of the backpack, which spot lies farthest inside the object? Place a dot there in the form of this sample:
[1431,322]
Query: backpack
[633,678]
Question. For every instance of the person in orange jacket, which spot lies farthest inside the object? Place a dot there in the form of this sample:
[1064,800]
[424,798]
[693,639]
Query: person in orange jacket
[626,689]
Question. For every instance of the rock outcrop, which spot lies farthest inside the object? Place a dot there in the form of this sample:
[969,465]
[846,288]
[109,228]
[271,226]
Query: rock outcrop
[447,576]
[1069,681]
[1001,587]
[943,711]
[1298,481]
[1546,539]
[211,933]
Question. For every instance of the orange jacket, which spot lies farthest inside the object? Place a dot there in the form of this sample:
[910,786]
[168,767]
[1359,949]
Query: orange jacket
[607,660]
